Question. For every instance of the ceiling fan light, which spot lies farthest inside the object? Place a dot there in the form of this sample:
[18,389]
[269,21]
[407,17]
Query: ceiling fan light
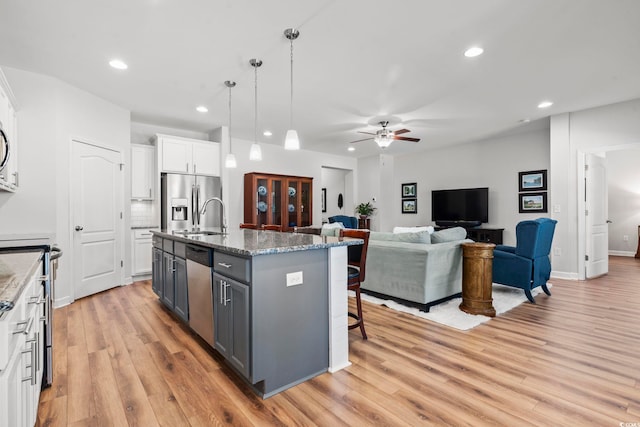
[383,141]
[291,141]
[230,161]
[255,153]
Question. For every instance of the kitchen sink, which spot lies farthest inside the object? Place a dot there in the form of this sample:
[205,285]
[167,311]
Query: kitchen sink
[198,233]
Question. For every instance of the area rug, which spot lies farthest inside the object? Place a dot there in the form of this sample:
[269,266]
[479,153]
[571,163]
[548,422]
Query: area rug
[504,299]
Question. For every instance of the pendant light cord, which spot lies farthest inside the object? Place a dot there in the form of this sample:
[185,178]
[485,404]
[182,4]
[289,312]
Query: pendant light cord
[230,150]
[291,113]
[255,113]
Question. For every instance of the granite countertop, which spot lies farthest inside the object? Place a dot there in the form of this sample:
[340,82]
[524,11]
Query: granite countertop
[15,270]
[258,242]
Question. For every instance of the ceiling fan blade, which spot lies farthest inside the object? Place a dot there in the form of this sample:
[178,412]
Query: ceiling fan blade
[359,140]
[404,138]
[368,133]
[401,131]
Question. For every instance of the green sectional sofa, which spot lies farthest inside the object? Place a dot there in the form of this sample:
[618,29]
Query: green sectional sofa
[416,269]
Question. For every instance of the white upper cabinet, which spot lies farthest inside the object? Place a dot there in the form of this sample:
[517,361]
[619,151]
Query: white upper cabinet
[143,176]
[184,155]
[9,125]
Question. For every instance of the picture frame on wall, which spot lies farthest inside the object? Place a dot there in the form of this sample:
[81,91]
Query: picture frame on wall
[324,200]
[532,180]
[410,206]
[533,202]
[409,190]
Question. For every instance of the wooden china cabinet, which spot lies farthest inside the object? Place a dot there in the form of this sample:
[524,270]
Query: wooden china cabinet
[278,199]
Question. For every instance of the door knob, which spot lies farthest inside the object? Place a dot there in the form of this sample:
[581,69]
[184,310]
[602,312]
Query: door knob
[79,228]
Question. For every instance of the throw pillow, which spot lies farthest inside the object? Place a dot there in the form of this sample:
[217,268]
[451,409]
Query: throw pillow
[332,229]
[427,228]
[449,235]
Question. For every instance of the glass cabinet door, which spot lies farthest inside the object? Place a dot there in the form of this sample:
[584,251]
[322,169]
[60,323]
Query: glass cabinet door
[292,204]
[276,202]
[262,205]
[305,203]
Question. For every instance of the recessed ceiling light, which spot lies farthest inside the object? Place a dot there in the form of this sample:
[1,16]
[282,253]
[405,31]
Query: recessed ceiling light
[525,120]
[473,52]
[351,149]
[202,109]
[545,104]
[118,64]
[267,133]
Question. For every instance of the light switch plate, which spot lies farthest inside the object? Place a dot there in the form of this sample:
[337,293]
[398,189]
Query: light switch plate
[294,278]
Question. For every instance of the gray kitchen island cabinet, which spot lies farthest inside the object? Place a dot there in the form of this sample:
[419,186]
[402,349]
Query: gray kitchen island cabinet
[279,304]
[169,275]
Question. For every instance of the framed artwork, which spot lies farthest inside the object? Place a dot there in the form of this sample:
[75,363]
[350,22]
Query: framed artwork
[532,180]
[409,190]
[533,202]
[324,200]
[410,206]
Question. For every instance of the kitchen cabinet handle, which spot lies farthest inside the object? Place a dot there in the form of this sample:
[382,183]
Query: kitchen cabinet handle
[221,283]
[187,170]
[27,327]
[149,192]
[32,367]
[15,179]
[226,300]
[194,168]
[222,264]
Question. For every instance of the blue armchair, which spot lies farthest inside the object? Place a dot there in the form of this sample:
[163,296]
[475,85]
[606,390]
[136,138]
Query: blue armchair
[527,265]
[347,221]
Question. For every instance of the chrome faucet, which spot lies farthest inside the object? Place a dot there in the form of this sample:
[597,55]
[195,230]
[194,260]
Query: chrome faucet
[223,227]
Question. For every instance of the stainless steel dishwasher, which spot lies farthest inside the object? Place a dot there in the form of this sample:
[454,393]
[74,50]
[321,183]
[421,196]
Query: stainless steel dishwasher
[200,291]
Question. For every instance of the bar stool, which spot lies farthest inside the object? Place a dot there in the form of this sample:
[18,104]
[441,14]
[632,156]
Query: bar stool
[356,272]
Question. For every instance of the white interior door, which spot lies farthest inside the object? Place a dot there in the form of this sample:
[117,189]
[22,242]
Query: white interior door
[596,205]
[96,204]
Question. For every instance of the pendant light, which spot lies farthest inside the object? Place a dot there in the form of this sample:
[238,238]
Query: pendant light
[291,141]
[255,153]
[230,161]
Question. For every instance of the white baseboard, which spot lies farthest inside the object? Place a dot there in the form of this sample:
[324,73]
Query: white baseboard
[564,275]
[622,253]
[61,302]
[127,281]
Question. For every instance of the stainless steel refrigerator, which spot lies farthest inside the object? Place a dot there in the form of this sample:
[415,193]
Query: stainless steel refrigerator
[182,197]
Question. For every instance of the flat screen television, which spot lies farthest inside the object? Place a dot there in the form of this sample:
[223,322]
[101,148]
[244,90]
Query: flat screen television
[466,207]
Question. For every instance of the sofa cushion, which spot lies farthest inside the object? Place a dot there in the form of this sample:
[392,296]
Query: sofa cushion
[413,229]
[332,229]
[420,237]
[448,235]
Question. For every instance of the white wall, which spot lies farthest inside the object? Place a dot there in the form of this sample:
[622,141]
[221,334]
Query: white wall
[492,163]
[623,182]
[51,113]
[605,129]
[277,160]
[334,181]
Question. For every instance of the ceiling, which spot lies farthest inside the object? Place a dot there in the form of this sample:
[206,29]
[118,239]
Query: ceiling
[356,62]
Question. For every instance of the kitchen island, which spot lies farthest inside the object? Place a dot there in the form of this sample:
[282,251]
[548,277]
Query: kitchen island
[278,301]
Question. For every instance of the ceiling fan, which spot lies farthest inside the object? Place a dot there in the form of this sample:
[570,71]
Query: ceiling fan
[384,137]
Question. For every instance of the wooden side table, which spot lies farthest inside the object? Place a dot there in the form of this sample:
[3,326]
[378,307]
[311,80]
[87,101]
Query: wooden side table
[364,223]
[477,271]
[638,250]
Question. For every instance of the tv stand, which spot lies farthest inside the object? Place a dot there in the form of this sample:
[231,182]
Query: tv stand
[480,234]
[464,224]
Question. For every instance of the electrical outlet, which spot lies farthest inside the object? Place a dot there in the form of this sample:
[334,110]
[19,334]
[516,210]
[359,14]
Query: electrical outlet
[294,279]
[557,251]
[625,238]
[556,208]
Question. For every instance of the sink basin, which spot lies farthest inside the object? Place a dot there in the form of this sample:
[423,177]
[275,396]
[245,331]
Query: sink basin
[198,233]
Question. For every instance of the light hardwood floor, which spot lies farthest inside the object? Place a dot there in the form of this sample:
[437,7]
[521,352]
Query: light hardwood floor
[573,359]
